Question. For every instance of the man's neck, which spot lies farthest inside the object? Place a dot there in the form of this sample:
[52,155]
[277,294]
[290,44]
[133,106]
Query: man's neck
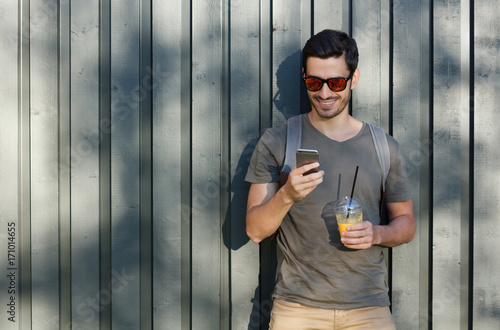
[339,128]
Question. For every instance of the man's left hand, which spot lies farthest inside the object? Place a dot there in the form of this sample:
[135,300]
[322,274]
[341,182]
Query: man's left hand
[359,236]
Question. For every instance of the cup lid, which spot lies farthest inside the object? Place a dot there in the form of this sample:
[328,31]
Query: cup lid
[347,204]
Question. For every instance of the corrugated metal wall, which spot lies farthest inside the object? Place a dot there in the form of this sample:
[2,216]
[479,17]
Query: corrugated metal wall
[126,129]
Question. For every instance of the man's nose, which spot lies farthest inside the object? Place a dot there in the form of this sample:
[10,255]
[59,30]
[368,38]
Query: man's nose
[325,91]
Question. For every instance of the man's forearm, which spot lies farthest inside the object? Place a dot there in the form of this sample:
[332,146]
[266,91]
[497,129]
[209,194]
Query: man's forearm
[268,203]
[264,219]
[400,230]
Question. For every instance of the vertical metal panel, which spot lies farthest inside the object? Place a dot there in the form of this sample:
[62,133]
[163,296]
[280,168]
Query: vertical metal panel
[206,157]
[24,162]
[425,166]
[64,106]
[410,99]
[44,160]
[465,158]
[347,16]
[446,177]
[306,28]
[244,125]
[10,233]
[486,82]
[104,295]
[84,153]
[186,80]
[425,214]
[146,155]
[266,60]
[386,50]
[329,14]
[287,39]
[306,21]
[366,31]
[125,164]
[167,130]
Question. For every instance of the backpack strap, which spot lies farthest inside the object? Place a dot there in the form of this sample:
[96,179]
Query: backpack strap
[382,149]
[293,142]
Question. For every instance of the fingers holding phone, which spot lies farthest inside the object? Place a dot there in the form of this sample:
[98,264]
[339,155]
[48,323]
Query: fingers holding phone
[300,181]
[306,157]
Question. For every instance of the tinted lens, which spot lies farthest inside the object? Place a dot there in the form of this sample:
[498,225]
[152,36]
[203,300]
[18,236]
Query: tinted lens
[337,84]
[313,84]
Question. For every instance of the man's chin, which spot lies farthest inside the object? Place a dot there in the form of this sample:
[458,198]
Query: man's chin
[328,113]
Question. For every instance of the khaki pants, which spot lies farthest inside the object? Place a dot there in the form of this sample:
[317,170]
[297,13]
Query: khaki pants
[292,316]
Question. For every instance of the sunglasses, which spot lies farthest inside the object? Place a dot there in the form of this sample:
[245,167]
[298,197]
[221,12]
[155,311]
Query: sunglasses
[338,84]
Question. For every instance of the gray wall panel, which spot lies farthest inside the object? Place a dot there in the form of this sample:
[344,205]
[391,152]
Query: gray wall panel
[9,219]
[125,163]
[287,43]
[366,30]
[406,111]
[486,159]
[447,154]
[245,102]
[24,158]
[167,208]
[85,162]
[328,15]
[206,157]
[44,160]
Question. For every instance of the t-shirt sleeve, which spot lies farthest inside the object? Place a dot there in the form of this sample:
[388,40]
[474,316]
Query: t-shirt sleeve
[397,185]
[267,158]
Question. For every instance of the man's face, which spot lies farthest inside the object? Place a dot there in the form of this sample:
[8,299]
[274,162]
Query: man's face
[325,102]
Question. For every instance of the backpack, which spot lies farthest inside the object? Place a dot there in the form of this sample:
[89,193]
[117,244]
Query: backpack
[294,141]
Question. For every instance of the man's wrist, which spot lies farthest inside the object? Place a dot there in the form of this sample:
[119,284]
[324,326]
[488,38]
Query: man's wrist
[284,196]
[377,234]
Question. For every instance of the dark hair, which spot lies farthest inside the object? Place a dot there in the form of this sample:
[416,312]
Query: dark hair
[331,43]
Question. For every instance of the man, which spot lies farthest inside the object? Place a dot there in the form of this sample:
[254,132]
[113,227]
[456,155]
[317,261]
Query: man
[325,281]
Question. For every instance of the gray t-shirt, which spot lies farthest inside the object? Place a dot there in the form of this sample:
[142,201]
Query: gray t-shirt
[314,267]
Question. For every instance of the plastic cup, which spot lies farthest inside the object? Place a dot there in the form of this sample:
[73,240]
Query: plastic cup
[348,212]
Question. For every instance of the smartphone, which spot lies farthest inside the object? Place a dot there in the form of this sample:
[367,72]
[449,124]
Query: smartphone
[307,156]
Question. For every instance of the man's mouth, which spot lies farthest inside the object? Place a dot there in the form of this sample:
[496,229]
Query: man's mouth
[327,102]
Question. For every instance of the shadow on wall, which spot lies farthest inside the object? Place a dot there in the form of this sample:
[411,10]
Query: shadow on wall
[289,100]
[291,97]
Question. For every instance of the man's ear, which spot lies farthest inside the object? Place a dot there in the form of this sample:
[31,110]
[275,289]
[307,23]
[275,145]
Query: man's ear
[303,72]
[355,78]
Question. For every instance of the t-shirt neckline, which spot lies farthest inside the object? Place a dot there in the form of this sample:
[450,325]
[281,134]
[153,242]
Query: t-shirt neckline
[323,136]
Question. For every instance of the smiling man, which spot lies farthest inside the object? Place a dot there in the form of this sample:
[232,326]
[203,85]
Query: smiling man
[324,280]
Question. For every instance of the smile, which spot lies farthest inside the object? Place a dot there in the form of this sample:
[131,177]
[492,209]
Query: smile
[327,102]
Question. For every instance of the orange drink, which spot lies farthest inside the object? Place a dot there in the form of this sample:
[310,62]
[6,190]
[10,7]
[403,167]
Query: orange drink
[348,212]
[344,222]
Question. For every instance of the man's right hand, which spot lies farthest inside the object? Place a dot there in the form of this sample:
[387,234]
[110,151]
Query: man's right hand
[299,185]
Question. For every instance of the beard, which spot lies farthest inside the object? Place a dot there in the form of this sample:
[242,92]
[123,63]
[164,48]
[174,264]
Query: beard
[331,113]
